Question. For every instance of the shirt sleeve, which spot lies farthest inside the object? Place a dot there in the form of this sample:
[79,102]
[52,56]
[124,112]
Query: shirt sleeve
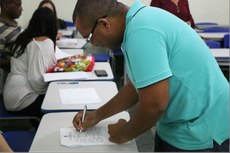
[147,57]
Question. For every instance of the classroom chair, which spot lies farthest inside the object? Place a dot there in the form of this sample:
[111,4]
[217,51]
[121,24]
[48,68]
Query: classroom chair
[69,24]
[213,44]
[206,23]
[226,41]
[216,29]
[19,141]
[101,57]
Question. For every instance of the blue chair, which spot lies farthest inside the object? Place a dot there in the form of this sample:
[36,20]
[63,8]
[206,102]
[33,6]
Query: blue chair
[216,29]
[101,57]
[213,44]
[19,141]
[69,24]
[206,23]
[226,41]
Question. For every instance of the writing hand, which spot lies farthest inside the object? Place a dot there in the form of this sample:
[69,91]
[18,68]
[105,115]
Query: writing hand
[89,121]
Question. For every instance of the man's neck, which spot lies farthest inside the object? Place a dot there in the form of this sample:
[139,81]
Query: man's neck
[8,20]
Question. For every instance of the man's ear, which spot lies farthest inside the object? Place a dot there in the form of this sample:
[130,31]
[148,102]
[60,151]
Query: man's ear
[104,22]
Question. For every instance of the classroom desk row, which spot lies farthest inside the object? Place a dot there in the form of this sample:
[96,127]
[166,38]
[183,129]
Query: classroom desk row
[62,101]
[216,36]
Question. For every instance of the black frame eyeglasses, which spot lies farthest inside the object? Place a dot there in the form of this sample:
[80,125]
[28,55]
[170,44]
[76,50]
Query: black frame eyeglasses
[88,39]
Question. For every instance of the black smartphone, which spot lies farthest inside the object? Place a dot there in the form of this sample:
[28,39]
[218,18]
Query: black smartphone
[101,73]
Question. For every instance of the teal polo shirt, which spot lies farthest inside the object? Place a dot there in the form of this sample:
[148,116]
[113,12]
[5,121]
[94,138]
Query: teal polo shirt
[157,46]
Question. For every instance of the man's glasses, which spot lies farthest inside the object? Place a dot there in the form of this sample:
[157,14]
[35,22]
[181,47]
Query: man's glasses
[88,39]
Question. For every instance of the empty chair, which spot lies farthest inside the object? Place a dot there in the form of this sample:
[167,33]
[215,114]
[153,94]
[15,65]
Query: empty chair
[101,57]
[213,44]
[226,41]
[216,29]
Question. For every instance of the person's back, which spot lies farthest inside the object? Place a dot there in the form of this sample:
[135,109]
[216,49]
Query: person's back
[9,30]
[199,92]
[33,54]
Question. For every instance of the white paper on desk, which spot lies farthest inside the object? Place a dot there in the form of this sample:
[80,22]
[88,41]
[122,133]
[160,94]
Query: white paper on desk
[79,96]
[62,53]
[70,137]
[80,75]
[71,43]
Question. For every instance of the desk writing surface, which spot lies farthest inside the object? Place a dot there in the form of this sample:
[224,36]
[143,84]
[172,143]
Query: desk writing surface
[71,43]
[47,138]
[90,74]
[218,36]
[221,55]
[52,101]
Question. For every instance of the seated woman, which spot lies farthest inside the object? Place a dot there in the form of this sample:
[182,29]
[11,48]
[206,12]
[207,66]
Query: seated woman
[61,23]
[33,54]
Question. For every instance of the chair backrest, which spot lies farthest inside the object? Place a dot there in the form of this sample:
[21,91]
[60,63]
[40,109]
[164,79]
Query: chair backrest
[101,57]
[19,141]
[216,29]
[206,23]
[226,41]
[213,44]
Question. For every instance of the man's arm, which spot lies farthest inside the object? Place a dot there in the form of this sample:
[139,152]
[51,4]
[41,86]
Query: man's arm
[153,101]
[125,98]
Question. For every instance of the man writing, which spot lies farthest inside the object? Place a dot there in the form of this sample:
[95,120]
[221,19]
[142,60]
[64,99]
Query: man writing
[175,82]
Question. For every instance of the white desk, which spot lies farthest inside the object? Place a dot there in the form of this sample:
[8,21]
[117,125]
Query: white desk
[47,138]
[52,101]
[218,36]
[66,33]
[221,55]
[71,43]
[91,74]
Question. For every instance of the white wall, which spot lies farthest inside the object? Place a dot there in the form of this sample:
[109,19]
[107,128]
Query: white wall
[202,10]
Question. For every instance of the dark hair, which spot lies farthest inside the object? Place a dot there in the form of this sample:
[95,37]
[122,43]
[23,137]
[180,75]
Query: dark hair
[4,2]
[91,10]
[50,2]
[42,23]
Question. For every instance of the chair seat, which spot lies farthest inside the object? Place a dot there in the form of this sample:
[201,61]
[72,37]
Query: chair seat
[213,44]
[19,141]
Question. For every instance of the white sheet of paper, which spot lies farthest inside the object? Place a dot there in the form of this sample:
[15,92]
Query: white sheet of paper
[80,75]
[62,53]
[71,43]
[79,96]
[70,137]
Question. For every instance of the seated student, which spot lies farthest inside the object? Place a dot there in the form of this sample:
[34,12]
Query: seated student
[33,54]
[9,30]
[61,23]
[4,147]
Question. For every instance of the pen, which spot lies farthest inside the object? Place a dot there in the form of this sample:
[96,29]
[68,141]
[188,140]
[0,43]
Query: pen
[67,83]
[83,116]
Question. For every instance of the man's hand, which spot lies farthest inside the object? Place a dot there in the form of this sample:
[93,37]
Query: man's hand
[90,121]
[117,133]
